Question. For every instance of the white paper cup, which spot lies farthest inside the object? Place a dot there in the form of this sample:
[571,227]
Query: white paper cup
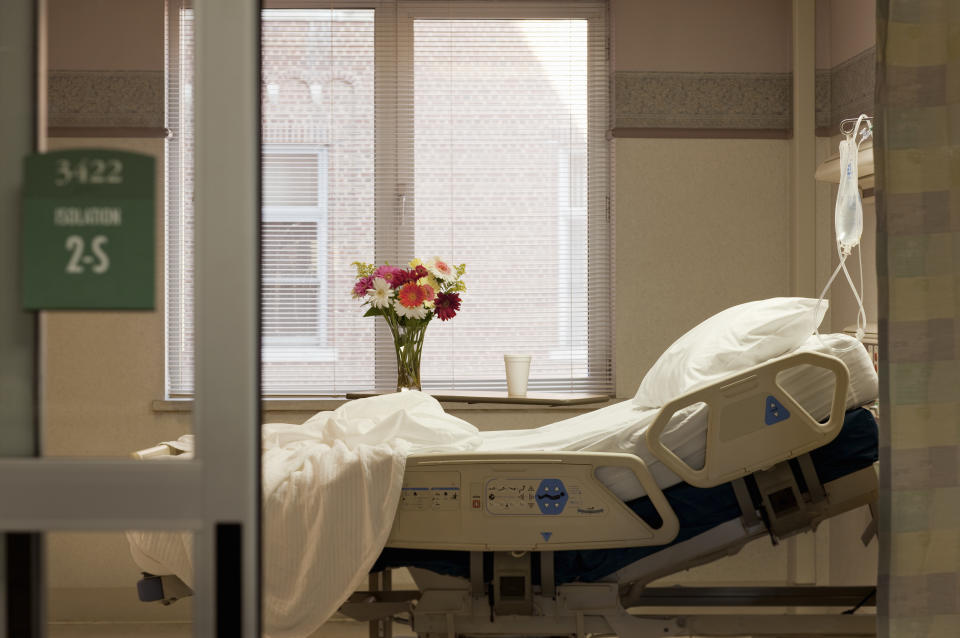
[518,370]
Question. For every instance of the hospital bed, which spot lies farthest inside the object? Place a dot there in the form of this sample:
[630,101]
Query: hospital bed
[542,543]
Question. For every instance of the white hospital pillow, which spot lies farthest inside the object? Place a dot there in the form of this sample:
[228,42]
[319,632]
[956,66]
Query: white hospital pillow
[728,342]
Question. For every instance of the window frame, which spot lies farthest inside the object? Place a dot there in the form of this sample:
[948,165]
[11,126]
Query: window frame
[394,205]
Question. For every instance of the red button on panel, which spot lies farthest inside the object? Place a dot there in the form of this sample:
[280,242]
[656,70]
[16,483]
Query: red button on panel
[476,503]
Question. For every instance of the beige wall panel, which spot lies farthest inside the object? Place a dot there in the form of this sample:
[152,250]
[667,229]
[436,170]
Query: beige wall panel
[701,225]
[106,35]
[702,35]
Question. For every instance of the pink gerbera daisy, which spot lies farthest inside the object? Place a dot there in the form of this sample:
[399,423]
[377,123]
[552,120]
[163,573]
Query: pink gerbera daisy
[411,295]
[447,305]
[441,269]
[362,286]
[394,276]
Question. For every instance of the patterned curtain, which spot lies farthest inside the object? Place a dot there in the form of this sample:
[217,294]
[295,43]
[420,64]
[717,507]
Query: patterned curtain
[918,255]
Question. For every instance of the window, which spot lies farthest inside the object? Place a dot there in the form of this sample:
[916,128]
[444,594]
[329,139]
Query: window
[294,239]
[475,131]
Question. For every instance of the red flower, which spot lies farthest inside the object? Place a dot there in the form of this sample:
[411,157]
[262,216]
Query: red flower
[420,271]
[401,277]
[411,295]
[447,305]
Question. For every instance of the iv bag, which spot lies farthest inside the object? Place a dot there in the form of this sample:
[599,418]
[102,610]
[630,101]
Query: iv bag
[848,214]
[848,221]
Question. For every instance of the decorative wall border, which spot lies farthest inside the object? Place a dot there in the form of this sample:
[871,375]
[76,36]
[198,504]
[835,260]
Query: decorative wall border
[105,100]
[708,103]
[702,100]
[643,101]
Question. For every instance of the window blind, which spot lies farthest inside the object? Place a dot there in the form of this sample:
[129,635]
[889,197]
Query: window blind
[472,131]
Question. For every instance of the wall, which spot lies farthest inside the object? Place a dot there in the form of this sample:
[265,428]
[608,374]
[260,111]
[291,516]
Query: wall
[702,35]
[106,35]
[701,224]
[853,28]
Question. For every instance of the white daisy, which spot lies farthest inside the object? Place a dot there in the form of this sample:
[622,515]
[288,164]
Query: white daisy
[380,293]
[417,312]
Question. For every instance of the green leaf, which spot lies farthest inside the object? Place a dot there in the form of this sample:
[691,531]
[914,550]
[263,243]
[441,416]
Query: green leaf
[373,312]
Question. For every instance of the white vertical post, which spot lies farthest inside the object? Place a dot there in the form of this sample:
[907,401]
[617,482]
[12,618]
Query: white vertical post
[227,256]
[803,266]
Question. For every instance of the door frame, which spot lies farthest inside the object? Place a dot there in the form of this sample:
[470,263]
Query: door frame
[216,494]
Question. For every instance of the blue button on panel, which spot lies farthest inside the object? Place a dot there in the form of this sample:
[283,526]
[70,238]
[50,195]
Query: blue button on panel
[551,496]
[774,412]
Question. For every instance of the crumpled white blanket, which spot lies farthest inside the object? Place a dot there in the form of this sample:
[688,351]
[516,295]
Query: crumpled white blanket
[344,466]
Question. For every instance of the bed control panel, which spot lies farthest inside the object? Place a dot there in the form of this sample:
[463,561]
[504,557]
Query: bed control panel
[537,497]
[431,492]
[512,501]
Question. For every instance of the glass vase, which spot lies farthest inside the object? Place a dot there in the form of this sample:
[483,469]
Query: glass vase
[408,343]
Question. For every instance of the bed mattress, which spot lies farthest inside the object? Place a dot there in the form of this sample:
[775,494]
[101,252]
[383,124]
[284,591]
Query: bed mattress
[621,427]
[698,510]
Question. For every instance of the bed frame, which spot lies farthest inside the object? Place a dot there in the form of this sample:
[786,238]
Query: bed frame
[514,504]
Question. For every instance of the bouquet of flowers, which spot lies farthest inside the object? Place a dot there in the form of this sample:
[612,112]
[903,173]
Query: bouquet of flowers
[408,298]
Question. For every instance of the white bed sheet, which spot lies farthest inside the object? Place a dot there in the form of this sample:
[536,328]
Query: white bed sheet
[330,493]
[620,427]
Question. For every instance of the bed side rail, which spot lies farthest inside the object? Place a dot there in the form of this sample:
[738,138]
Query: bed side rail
[753,423]
[523,501]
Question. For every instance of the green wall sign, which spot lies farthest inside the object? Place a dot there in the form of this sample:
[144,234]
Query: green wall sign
[88,230]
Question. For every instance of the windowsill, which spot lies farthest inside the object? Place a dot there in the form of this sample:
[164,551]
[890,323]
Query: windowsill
[471,401]
[542,399]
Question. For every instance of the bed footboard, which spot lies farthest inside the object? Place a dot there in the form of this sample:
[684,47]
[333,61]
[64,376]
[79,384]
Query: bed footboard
[532,501]
[753,423]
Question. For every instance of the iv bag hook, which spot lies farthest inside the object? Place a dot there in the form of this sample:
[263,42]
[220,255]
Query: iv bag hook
[849,126]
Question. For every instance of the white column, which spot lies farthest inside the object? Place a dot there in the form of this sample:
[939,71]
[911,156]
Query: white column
[227,258]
